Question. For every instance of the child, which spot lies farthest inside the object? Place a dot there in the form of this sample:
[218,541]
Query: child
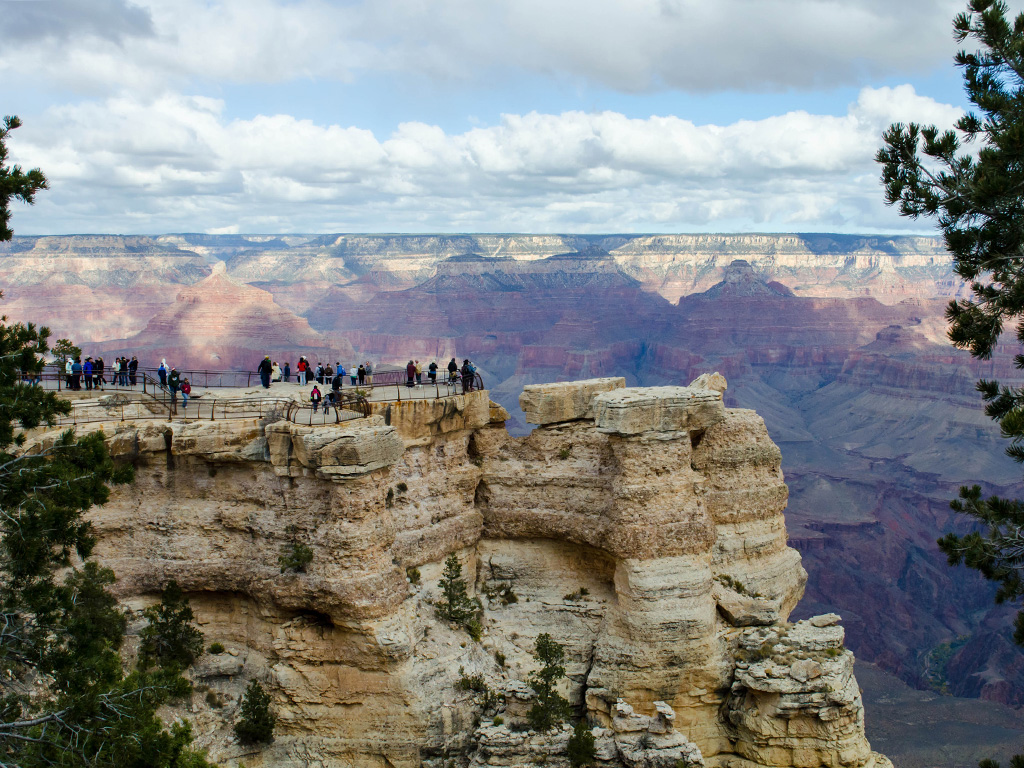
[314,398]
[186,390]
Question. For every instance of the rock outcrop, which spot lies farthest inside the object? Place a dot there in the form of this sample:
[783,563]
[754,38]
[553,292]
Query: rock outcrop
[641,528]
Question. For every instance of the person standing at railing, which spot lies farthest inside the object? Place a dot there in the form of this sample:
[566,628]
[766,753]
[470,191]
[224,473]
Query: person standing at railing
[287,373]
[68,373]
[432,372]
[97,371]
[362,374]
[315,397]
[353,373]
[275,372]
[369,374]
[419,373]
[264,369]
[186,390]
[319,373]
[301,368]
[87,372]
[76,374]
[133,370]
[173,382]
[115,372]
[161,372]
[453,369]
[328,374]
[467,376]
[336,383]
[410,374]
[339,371]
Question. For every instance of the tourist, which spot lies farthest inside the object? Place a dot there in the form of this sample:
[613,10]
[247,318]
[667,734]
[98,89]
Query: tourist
[419,373]
[315,397]
[186,390]
[340,371]
[362,374]
[467,377]
[97,371]
[287,372]
[87,372]
[301,367]
[173,382]
[115,372]
[68,373]
[410,374]
[275,372]
[133,370]
[161,372]
[453,370]
[328,373]
[319,373]
[76,374]
[264,369]
[432,372]
[354,374]
[369,374]
[336,383]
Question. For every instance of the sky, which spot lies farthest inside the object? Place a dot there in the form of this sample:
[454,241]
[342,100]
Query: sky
[566,116]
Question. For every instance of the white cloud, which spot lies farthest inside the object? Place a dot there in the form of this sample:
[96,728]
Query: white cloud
[629,45]
[175,163]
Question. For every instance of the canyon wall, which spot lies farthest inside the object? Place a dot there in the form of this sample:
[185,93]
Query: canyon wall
[641,527]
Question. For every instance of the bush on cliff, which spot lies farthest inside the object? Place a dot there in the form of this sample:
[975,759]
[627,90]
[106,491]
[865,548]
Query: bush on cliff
[170,639]
[256,721]
[455,604]
[66,698]
[550,708]
[581,748]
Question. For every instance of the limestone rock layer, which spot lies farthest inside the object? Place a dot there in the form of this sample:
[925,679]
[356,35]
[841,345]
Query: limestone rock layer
[641,528]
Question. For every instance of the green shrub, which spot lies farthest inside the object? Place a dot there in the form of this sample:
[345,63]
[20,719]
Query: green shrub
[256,722]
[413,574]
[216,648]
[500,658]
[170,639]
[402,487]
[551,708]
[295,556]
[455,605]
[499,720]
[579,594]
[581,748]
[565,453]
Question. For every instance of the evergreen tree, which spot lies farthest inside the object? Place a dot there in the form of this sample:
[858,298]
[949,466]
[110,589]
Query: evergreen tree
[551,708]
[977,201]
[65,697]
[170,639]
[581,748]
[455,604]
[14,183]
[256,720]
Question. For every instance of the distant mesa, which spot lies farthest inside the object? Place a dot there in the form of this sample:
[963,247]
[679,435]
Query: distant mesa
[740,280]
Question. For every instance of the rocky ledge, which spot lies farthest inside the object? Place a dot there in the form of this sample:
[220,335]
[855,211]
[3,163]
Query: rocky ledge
[642,529]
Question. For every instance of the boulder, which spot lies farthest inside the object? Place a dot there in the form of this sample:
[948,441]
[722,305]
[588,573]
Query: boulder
[657,409]
[566,401]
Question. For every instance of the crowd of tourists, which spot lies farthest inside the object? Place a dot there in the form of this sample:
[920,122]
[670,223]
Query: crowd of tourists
[358,375]
[96,374]
[93,372]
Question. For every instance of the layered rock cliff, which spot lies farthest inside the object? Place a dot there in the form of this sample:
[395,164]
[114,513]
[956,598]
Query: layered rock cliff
[641,527]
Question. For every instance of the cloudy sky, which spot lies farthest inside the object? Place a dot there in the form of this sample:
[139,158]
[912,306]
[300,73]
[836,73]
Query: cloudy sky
[152,116]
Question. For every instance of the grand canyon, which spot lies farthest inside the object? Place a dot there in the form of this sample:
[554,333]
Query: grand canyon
[836,341]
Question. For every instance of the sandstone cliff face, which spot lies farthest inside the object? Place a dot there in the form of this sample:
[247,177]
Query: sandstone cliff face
[642,528]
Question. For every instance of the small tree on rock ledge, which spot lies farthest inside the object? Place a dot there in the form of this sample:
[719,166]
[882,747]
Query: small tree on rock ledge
[551,708]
